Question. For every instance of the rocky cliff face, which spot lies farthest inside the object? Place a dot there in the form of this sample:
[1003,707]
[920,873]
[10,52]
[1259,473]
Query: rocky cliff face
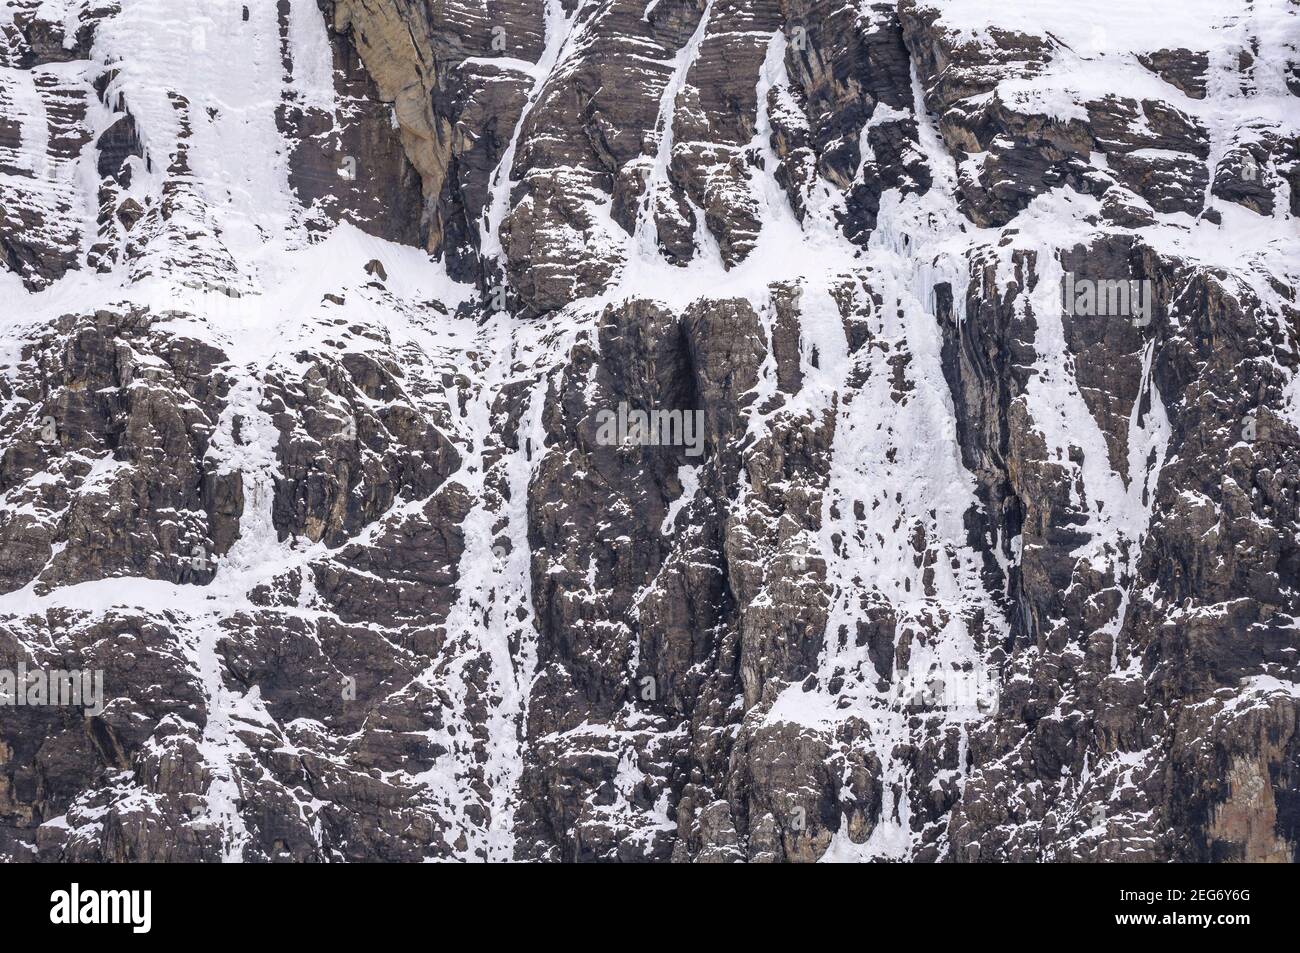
[966,531]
